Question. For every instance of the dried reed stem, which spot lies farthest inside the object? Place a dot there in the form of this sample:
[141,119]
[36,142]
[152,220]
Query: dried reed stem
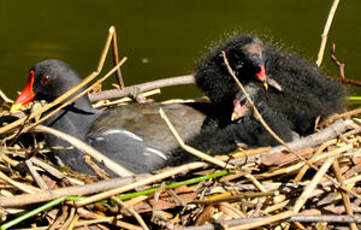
[105,51]
[190,149]
[325,32]
[311,186]
[300,202]
[293,168]
[39,196]
[339,116]
[304,169]
[23,187]
[85,148]
[110,220]
[149,180]
[267,220]
[5,98]
[118,73]
[132,211]
[345,198]
[36,176]
[116,93]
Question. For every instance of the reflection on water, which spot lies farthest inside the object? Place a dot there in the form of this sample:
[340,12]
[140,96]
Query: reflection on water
[163,38]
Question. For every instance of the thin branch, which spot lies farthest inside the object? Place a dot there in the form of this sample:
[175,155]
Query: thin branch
[340,65]
[312,185]
[43,196]
[105,103]
[346,80]
[67,224]
[85,148]
[234,198]
[105,51]
[51,170]
[298,218]
[120,224]
[296,167]
[345,198]
[299,203]
[127,91]
[132,211]
[325,32]
[190,149]
[118,73]
[149,180]
[5,98]
[314,139]
[36,176]
[340,116]
[320,150]
[23,187]
[267,220]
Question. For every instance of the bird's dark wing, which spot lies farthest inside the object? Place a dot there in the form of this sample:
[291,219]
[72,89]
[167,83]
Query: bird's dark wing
[145,121]
[126,148]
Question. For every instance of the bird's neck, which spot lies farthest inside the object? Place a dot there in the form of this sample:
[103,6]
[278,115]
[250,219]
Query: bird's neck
[75,118]
[83,103]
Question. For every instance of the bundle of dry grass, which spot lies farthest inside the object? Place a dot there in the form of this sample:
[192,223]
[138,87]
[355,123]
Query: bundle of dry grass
[267,187]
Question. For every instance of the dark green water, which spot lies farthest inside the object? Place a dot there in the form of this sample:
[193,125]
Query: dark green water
[166,37]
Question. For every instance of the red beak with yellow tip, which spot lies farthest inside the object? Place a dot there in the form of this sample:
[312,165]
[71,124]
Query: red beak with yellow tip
[239,110]
[261,76]
[26,96]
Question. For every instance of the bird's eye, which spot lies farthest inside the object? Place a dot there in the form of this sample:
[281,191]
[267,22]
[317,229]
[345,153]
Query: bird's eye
[45,79]
[239,66]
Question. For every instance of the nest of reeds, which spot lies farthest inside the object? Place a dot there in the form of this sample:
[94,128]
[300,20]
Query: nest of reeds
[311,183]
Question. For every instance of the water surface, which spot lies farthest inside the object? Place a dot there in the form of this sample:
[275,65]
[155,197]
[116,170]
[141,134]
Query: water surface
[165,37]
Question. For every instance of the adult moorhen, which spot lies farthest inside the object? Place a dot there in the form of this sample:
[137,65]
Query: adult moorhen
[134,136]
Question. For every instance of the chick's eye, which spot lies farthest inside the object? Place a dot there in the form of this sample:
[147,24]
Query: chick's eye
[45,79]
[239,65]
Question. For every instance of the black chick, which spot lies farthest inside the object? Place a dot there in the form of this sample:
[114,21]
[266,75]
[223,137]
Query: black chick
[298,94]
[298,89]
[246,130]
